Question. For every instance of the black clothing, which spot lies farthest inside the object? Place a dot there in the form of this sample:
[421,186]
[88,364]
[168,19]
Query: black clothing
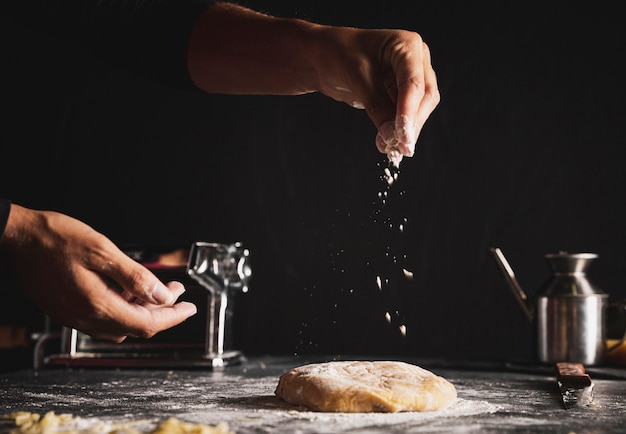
[5,208]
[147,37]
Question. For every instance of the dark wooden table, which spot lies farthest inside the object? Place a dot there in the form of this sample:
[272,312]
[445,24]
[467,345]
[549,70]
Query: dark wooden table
[518,399]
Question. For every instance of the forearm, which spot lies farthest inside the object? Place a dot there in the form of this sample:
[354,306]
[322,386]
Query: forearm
[239,51]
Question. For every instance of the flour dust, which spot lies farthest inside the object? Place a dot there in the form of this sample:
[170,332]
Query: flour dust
[391,272]
[385,229]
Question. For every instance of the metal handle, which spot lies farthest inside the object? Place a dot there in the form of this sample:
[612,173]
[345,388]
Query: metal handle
[509,275]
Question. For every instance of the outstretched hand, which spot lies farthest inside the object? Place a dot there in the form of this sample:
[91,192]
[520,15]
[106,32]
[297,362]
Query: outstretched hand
[80,279]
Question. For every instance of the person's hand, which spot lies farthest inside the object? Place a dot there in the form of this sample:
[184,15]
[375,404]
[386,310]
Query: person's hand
[80,279]
[386,72]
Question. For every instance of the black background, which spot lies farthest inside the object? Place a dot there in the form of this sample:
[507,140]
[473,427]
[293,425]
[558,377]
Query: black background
[524,152]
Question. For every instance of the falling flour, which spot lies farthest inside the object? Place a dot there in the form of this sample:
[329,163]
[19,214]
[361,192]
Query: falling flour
[390,174]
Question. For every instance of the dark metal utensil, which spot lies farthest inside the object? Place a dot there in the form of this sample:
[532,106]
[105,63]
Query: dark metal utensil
[575,385]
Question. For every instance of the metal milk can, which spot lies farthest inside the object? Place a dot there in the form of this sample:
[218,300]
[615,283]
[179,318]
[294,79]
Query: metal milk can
[568,311]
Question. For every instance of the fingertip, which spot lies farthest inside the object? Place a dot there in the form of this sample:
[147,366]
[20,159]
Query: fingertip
[175,285]
[407,130]
[380,143]
[176,288]
[187,308]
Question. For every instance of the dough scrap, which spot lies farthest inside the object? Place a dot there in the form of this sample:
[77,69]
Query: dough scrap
[365,386]
[52,423]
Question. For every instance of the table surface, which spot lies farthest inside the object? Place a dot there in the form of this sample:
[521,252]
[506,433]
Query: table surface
[490,399]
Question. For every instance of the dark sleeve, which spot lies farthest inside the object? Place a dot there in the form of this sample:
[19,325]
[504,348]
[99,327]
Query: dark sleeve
[147,37]
[5,208]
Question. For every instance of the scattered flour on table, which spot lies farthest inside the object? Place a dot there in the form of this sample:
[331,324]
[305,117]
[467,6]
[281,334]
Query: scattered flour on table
[246,405]
[319,422]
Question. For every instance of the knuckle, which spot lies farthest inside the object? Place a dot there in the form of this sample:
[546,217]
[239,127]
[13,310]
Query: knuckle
[434,96]
[139,279]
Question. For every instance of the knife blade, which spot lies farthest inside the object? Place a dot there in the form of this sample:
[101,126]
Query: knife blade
[575,385]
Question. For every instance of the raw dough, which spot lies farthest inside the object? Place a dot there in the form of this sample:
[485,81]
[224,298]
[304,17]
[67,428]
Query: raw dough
[52,423]
[365,386]
[175,426]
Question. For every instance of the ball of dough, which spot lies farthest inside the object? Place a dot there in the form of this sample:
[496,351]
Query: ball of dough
[365,386]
